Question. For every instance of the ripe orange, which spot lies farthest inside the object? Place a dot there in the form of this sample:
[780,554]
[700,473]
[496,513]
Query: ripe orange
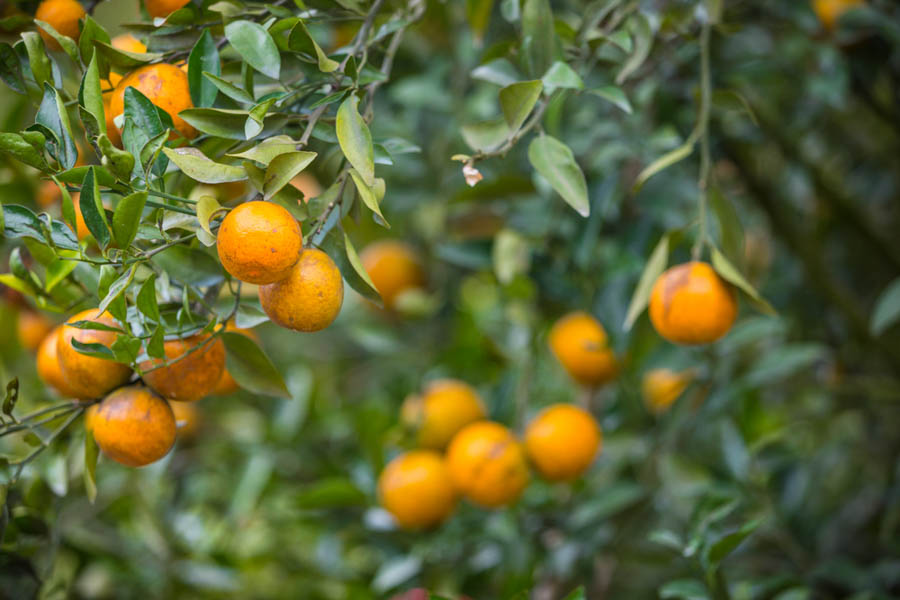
[127,43]
[311,296]
[227,384]
[164,85]
[163,8]
[81,229]
[562,441]
[89,377]
[259,242]
[133,426]
[48,368]
[32,328]
[830,11]
[691,304]
[63,16]
[580,344]
[447,406]
[416,488]
[189,378]
[394,269]
[187,418]
[48,194]
[112,132]
[662,387]
[487,464]
[308,185]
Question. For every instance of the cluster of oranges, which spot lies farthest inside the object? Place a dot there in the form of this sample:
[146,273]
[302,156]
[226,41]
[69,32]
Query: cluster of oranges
[461,453]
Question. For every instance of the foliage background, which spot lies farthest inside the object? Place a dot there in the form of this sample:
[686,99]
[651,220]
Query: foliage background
[790,430]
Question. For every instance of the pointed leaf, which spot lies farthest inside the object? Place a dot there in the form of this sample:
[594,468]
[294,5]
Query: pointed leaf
[256,46]
[127,218]
[251,368]
[729,273]
[654,268]
[556,163]
[204,57]
[92,209]
[283,168]
[887,309]
[355,139]
[197,166]
[517,100]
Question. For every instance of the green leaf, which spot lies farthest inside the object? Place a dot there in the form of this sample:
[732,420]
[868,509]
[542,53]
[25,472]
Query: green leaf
[229,89]
[731,232]
[117,288]
[227,123]
[91,97]
[556,163]
[204,58]
[355,139]
[538,36]
[146,299]
[300,40]
[478,13]
[517,100]
[57,271]
[561,76]
[684,589]
[197,166]
[614,94]
[12,396]
[127,218]
[92,209]
[663,162]
[66,43]
[577,594]
[642,35]
[38,58]
[256,46]
[91,452]
[125,61]
[887,309]
[729,273]
[283,168]
[93,350]
[206,208]
[251,368]
[11,68]
[268,149]
[54,118]
[371,195]
[338,246]
[190,265]
[93,31]
[486,136]
[126,348]
[498,71]
[156,347]
[654,268]
[727,544]
[120,162]
[332,492]
[15,145]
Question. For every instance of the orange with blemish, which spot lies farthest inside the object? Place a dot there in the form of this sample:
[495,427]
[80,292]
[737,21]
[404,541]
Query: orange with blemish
[63,16]
[193,368]
[48,365]
[133,426]
[259,242]
[487,464]
[32,327]
[164,85]
[89,377]
[562,442]
[446,406]
[394,269]
[690,304]
[416,488]
[310,298]
[580,344]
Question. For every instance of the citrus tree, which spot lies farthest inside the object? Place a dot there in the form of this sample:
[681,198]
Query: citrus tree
[551,373]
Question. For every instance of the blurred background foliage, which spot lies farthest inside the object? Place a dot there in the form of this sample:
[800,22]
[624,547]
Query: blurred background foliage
[775,475]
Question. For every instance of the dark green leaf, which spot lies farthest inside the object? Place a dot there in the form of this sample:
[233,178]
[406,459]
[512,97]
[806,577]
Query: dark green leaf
[92,209]
[556,163]
[251,368]
[538,36]
[204,57]
[256,46]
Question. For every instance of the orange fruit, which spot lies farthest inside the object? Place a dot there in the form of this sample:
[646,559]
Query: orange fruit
[562,441]
[32,328]
[580,344]
[830,11]
[447,406]
[133,426]
[81,229]
[416,488]
[691,304]
[311,296]
[112,132]
[48,368]
[89,377]
[164,85]
[227,385]
[487,464]
[259,242]
[163,8]
[192,373]
[662,387]
[187,418]
[63,16]
[394,269]
[308,185]
[48,194]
